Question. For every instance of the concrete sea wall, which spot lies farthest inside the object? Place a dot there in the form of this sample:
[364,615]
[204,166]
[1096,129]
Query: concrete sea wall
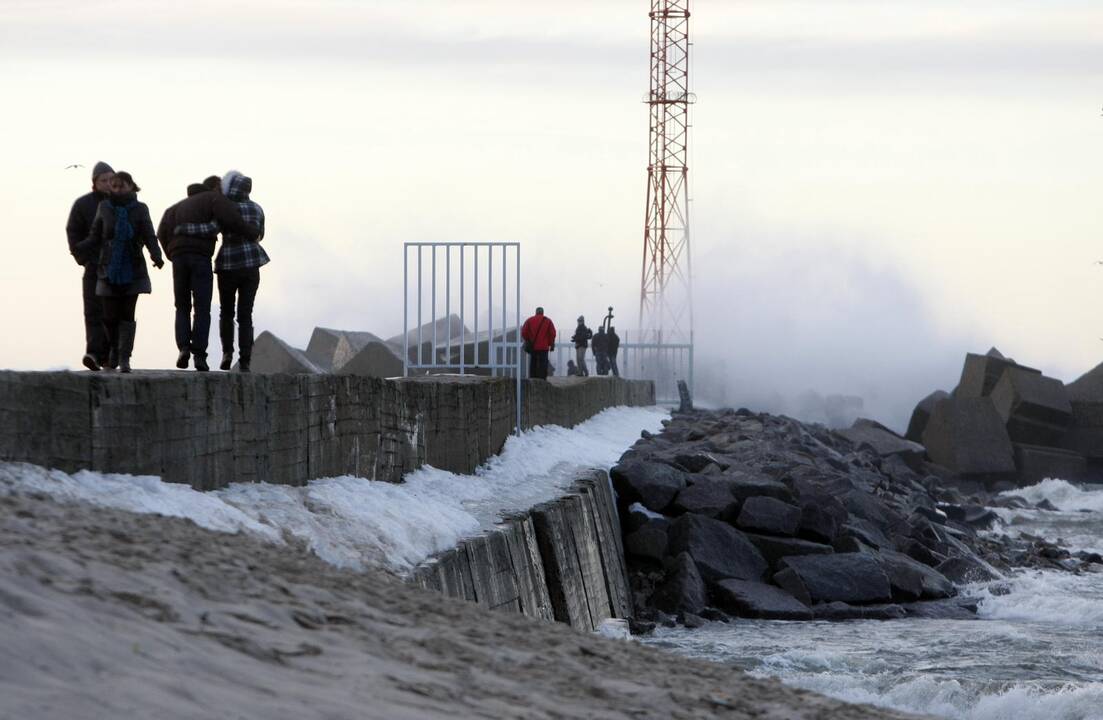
[212,429]
[563,561]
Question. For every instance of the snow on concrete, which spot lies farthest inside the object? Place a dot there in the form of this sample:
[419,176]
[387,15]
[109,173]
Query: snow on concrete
[351,522]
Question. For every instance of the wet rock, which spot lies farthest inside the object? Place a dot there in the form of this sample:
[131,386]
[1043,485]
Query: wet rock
[911,580]
[881,440]
[921,553]
[715,615]
[775,548]
[1045,504]
[683,590]
[959,608]
[653,485]
[759,600]
[746,485]
[705,496]
[838,611]
[790,582]
[649,542]
[965,570]
[846,577]
[1035,464]
[719,550]
[865,531]
[640,627]
[692,621]
[769,515]
[817,524]
[976,516]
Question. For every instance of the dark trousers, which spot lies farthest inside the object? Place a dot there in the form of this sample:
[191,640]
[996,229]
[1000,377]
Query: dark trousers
[192,284]
[117,309]
[602,362]
[237,287]
[613,364]
[95,336]
[538,365]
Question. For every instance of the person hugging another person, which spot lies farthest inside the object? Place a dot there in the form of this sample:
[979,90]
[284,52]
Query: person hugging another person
[238,264]
[121,228]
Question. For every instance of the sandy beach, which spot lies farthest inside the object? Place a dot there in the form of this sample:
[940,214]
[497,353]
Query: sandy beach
[109,614]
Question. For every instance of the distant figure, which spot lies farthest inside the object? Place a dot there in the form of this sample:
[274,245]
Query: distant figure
[121,229]
[613,344]
[538,332]
[601,350]
[192,276]
[237,265]
[83,212]
[581,340]
[572,369]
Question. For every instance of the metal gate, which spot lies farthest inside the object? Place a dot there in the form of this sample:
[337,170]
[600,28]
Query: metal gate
[470,283]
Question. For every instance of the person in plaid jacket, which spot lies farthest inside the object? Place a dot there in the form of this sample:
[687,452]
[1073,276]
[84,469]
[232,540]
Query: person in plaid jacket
[238,266]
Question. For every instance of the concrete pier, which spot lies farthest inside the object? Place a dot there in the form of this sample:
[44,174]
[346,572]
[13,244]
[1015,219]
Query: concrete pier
[212,429]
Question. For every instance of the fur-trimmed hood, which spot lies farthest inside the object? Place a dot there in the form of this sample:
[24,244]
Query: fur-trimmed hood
[236,186]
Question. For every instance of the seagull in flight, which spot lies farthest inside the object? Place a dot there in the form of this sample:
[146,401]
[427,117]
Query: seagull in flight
[72,167]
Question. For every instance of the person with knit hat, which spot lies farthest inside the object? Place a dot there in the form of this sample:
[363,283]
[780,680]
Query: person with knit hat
[581,340]
[83,212]
[120,231]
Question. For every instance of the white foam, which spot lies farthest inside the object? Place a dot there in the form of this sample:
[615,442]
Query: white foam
[1064,495]
[1045,597]
[352,522]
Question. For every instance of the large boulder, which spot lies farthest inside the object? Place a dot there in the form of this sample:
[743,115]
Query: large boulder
[775,548]
[769,515]
[648,542]
[683,589]
[817,523]
[790,582]
[964,570]
[745,485]
[911,580]
[843,577]
[706,496]
[719,550]
[981,373]
[1035,464]
[967,435]
[922,414]
[653,485]
[759,600]
[881,440]
[1035,408]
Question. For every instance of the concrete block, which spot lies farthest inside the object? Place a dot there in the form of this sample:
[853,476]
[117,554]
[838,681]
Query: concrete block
[1035,408]
[374,359]
[272,355]
[922,414]
[1037,463]
[981,373]
[968,436]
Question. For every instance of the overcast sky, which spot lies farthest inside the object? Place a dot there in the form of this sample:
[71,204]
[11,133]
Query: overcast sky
[879,185]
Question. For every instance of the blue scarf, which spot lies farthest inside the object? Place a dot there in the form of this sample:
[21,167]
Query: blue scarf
[120,269]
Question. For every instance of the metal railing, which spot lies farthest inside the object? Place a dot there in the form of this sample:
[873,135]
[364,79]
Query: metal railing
[461,276]
[662,363]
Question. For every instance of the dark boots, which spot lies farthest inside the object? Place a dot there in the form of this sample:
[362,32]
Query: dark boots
[227,360]
[183,358]
[126,344]
[90,362]
[201,362]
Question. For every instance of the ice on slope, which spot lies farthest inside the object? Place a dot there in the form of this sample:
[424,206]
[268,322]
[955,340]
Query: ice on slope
[352,522]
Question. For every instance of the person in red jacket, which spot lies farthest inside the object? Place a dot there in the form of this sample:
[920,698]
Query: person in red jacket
[538,332]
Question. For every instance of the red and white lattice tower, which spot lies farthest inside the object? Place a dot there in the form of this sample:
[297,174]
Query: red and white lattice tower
[666,297]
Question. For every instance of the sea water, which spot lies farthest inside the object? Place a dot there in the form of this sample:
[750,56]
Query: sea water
[1035,651]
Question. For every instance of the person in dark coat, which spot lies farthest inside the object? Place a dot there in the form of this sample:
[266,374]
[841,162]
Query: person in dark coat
[581,340]
[121,228]
[538,332]
[192,274]
[237,265]
[601,349]
[612,345]
[83,212]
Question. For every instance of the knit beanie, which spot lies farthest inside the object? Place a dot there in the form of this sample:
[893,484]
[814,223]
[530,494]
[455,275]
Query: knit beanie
[101,168]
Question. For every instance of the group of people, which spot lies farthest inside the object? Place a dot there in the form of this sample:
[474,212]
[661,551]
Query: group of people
[605,343]
[108,231]
[538,334]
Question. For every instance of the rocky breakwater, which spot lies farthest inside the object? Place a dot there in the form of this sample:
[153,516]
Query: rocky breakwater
[733,513]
